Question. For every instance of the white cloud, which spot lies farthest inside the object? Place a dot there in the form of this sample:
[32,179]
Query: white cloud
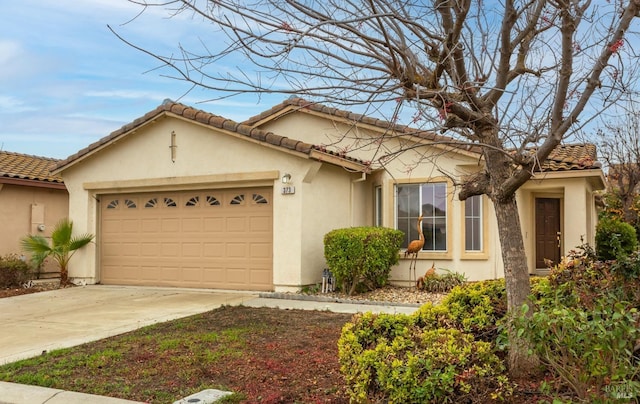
[10,105]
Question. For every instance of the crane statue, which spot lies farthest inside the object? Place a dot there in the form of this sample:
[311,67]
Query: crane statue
[414,247]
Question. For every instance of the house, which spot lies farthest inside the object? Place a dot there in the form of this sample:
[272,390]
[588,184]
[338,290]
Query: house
[183,197]
[32,200]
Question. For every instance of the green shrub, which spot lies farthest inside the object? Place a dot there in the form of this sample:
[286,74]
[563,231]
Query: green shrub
[478,307]
[580,279]
[588,350]
[615,239]
[362,256]
[584,325]
[13,271]
[396,358]
[441,283]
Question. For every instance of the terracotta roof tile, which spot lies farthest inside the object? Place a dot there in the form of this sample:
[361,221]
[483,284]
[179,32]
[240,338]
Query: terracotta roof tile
[566,157]
[563,158]
[202,117]
[28,167]
[302,104]
[572,157]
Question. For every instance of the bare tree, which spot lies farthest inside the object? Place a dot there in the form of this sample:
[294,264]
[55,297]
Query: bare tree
[620,149]
[514,77]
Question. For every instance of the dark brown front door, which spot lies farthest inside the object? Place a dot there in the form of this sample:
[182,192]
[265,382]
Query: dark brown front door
[547,231]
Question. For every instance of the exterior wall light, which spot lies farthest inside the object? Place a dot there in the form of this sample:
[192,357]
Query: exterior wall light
[286,179]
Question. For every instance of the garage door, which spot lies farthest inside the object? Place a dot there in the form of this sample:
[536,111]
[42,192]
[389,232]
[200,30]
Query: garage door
[204,239]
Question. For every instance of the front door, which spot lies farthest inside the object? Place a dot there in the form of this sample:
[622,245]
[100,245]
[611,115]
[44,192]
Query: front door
[548,232]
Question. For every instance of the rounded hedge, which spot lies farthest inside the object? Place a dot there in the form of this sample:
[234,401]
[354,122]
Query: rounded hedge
[615,239]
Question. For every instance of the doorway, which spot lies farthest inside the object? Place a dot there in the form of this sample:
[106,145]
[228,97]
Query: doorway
[548,231]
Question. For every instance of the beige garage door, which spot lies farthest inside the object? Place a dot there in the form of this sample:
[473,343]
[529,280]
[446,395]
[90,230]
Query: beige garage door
[201,239]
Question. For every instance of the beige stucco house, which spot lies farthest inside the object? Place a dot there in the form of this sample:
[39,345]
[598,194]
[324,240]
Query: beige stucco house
[32,201]
[182,197]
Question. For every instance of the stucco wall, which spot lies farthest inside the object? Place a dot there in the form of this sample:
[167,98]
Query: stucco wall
[326,197]
[22,209]
[425,163]
[207,159]
[577,211]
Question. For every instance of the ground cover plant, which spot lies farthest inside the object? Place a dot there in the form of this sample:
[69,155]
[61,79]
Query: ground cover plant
[263,355]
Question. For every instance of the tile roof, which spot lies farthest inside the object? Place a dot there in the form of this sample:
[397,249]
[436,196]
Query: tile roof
[26,167]
[296,104]
[572,157]
[563,158]
[208,119]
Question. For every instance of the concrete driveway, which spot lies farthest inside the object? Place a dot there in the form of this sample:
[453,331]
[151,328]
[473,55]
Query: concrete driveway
[64,318]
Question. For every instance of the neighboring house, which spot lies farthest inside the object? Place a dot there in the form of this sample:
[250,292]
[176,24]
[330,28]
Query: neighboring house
[182,197]
[32,200]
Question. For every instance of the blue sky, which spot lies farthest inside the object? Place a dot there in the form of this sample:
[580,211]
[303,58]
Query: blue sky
[66,80]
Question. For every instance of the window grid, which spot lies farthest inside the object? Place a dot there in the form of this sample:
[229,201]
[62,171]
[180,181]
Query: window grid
[473,223]
[430,199]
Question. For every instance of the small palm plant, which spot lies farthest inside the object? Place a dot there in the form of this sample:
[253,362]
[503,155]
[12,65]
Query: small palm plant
[63,246]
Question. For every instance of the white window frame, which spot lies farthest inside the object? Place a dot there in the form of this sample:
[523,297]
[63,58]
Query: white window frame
[482,253]
[430,221]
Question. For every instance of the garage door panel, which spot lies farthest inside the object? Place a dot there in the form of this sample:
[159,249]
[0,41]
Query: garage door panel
[214,275]
[111,226]
[149,249]
[191,250]
[260,224]
[216,239]
[213,225]
[170,273]
[192,225]
[170,225]
[213,250]
[236,250]
[130,249]
[260,276]
[171,250]
[130,225]
[237,275]
[125,272]
[191,272]
[110,249]
[236,224]
[260,250]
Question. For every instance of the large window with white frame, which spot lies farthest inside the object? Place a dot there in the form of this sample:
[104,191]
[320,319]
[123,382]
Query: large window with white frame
[473,223]
[430,200]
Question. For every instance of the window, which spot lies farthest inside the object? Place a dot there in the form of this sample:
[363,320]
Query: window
[237,200]
[259,199]
[473,223]
[430,200]
[212,201]
[193,201]
[113,204]
[378,205]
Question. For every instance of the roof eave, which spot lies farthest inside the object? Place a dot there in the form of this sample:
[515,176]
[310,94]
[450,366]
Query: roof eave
[594,175]
[32,183]
[287,108]
[325,157]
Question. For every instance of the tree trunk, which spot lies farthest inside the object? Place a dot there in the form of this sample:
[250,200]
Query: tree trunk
[64,276]
[516,275]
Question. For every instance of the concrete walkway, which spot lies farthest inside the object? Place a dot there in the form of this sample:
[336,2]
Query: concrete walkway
[62,318]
